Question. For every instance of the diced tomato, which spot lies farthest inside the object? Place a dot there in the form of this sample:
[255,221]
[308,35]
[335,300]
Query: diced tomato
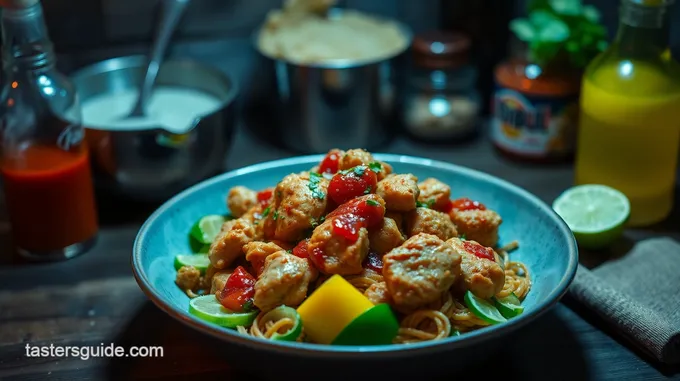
[264,196]
[317,257]
[478,250]
[374,262]
[355,182]
[366,207]
[348,226]
[239,289]
[467,204]
[258,266]
[302,249]
[330,163]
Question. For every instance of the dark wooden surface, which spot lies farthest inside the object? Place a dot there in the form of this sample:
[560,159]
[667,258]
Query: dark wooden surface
[94,299]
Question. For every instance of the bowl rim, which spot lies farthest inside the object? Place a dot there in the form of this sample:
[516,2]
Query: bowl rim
[330,351]
[340,63]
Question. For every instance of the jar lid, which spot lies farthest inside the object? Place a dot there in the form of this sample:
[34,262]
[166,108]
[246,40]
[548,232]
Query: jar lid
[441,50]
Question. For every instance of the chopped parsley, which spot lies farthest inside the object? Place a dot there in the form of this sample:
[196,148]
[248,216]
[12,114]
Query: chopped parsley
[368,189]
[375,167]
[314,179]
[359,170]
[462,237]
[289,251]
[322,219]
[372,203]
[314,222]
[429,204]
[266,211]
[275,216]
[279,194]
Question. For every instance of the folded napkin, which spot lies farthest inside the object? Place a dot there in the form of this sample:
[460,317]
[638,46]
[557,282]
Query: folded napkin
[640,295]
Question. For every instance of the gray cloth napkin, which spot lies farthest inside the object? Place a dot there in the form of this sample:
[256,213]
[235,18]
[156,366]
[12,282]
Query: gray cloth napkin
[640,295]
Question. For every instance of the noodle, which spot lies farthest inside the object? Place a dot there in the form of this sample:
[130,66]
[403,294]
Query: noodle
[437,322]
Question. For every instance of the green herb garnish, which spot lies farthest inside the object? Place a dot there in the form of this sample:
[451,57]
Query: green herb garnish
[266,211]
[314,179]
[428,204]
[462,237]
[368,189]
[375,166]
[249,306]
[372,203]
[359,170]
[561,30]
[275,216]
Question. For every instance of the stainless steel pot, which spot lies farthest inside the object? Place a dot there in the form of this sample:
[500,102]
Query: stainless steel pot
[154,164]
[313,108]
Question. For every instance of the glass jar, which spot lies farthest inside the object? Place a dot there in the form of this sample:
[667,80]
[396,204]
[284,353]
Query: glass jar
[441,100]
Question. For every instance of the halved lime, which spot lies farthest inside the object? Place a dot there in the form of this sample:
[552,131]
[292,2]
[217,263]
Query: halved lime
[483,309]
[209,309]
[199,261]
[509,306]
[207,228]
[596,214]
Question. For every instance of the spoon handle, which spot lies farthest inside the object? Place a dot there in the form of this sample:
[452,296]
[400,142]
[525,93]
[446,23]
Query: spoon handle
[172,11]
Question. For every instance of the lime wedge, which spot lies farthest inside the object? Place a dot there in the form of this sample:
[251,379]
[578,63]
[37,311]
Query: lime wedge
[199,261]
[207,228]
[483,309]
[596,214]
[207,307]
[509,306]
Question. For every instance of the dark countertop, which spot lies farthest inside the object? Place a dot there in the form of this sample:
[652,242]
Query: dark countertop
[94,299]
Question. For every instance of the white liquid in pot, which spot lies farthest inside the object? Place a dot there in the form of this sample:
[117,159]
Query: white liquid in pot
[171,108]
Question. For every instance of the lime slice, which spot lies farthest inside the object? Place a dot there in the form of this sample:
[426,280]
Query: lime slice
[483,309]
[199,261]
[596,214]
[279,313]
[207,307]
[207,228]
[509,306]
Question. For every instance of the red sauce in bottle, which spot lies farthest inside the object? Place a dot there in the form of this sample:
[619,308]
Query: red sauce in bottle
[49,197]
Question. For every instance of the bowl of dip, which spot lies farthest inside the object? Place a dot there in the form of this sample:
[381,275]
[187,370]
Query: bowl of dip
[182,138]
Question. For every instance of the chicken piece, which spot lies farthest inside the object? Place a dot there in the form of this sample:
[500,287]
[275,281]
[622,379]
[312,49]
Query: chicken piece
[420,270]
[355,157]
[477,225]
[430,221]
[377,293]
[240,200]
[219,280]
[434,193]
[385,237]
[338,255]
[398,219]
[400,192]
[228,245]
[188,278]
[299,202]
[484,277]
[256,252]
[284,281]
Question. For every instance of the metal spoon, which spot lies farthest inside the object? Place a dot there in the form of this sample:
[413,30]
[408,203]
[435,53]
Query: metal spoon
[172,11]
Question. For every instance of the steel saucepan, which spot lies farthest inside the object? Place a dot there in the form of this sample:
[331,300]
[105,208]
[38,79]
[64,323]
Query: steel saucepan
[154,164]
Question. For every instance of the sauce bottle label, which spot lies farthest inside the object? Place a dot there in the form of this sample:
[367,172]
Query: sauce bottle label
[536,126]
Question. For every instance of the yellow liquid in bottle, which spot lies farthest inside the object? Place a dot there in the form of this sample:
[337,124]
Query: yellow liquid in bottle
[629,135]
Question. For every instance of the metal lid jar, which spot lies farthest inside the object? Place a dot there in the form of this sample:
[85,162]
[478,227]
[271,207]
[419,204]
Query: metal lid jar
[441,100]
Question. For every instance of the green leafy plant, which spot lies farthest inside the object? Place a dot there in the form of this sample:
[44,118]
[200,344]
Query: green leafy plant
[561,30]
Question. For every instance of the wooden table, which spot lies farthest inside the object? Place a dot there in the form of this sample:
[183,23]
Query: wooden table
[94,299]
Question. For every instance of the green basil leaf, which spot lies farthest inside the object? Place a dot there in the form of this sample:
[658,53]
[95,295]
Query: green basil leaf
[566,7]
[591,13]
[555,31]
[541,18]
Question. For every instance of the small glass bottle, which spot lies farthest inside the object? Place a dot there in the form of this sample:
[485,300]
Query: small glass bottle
[534,110]
[629,129]
[442,102]
[44,161]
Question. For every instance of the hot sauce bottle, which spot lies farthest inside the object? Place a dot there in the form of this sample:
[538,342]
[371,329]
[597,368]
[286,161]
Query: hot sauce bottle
[44,160]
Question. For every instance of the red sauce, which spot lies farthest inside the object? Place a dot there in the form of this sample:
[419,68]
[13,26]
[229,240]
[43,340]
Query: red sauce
[374,262]
[264,196]
[302,249]
[49,198]
[239,289]
[348,226]
[478,250]
[318,257]
[467,204]
[367,207]
[355,182]
[331,162]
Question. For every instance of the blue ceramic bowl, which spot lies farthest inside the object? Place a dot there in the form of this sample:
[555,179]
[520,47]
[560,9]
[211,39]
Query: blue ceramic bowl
[547,247]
